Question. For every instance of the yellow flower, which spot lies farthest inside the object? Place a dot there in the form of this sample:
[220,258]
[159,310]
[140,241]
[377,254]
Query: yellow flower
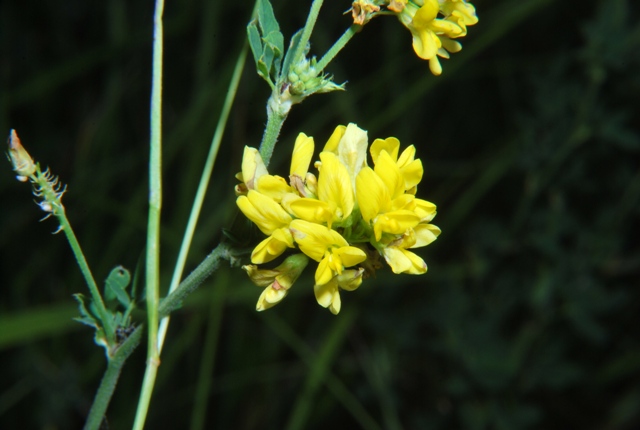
[432,35]
[327,247]
[328,295]
[272,220]
[276,282]
[345,220]
[402,261]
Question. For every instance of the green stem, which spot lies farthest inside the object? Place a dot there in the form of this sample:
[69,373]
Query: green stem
[122,353]
[174,300]
[337,47]
[278,107]
[275,119]
[306,31]
[153,232]
[110,379]
[88,277]
[205,179]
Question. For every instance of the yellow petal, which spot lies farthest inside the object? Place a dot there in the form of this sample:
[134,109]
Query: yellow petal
[350,279]
[334,140]
[270,298]
[390,174]
[334,185]
[263,211]
[349,256]
[372,194]
[434,66]
[336,304]
[252,167]
[410,168]
[426,14]
[395,222]
[390,144]
[273,186]
[403,261]
[312,210]
[324,272]
[268,250]
[327,293]
[315,239]
[302,154]
[425,44]
[425,210]
[425,234]
[352,151]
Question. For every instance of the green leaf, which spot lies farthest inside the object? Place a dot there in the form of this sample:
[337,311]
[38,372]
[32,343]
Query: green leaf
[267,18]
[267,43]
[255,42]
[90,318]
[116,283]
[86,317]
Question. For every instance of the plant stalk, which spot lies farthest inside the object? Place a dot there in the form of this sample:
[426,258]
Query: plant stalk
[153,232]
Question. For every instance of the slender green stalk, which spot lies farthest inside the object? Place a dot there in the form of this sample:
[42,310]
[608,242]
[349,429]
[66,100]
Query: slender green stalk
[88,277]
[306,31]
[278,109]
[204,184]
[337,47]
[153,232]
[271,133]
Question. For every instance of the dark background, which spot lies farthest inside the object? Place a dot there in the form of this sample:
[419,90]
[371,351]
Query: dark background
[528,316]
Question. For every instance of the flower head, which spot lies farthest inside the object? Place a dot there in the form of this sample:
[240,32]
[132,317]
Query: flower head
[346,219]
[433,24]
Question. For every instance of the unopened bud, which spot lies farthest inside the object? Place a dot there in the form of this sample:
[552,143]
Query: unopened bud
[350,279]
[22,162]
[277,281]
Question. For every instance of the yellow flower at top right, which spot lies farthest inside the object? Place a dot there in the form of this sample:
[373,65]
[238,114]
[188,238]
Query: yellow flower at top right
[434,24]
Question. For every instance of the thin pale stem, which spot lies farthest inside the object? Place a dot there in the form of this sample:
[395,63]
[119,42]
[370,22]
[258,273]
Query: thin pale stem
[337,47]
[205,179]
[153,232]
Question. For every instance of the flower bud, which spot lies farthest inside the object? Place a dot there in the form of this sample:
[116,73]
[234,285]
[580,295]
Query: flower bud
[277,281]
[22,162]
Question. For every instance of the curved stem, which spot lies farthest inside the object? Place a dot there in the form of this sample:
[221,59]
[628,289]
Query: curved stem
[337,47]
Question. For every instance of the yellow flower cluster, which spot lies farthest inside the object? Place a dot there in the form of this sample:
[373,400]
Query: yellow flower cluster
[344,218]
[434,24]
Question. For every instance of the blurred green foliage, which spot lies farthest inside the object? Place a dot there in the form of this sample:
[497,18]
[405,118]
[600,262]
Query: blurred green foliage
[528,316]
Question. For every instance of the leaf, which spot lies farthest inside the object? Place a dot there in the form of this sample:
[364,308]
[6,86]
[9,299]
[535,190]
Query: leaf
[255,42]
[86,317]
[116,283]
[267,18]
[267,43]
